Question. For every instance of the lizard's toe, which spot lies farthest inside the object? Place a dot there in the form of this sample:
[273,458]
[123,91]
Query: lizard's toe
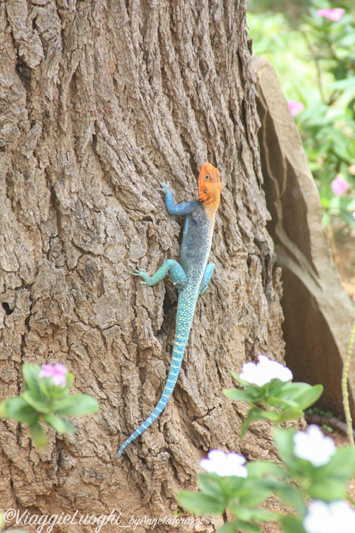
[164,187]
[138,272]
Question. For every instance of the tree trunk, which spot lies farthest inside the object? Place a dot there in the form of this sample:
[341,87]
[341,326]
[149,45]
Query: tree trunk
[100,102]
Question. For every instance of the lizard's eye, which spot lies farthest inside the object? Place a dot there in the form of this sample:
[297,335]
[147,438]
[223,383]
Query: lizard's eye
[207,177]
[205,191]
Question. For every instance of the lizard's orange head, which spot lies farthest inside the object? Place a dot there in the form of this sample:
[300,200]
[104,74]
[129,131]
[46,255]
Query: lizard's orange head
[209,186]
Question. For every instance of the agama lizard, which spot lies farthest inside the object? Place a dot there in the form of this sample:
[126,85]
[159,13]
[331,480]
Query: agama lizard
[191,276]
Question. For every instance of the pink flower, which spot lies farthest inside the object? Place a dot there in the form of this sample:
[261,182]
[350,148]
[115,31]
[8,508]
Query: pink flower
[331,14]
[295,107]
[339,185]
[57,372]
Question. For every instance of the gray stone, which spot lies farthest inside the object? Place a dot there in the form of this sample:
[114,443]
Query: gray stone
[318,312]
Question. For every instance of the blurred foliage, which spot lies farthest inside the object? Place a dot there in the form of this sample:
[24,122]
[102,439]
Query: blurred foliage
[43,401]
[293,10]
[314,58]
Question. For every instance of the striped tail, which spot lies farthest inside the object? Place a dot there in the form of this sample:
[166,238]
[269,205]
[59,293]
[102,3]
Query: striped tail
[183,326]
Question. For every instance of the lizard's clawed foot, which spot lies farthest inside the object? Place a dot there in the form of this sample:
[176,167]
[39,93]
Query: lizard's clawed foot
[164,187]
[143,274]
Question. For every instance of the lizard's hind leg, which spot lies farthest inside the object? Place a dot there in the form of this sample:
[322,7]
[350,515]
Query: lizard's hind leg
[176,272]
[206,278]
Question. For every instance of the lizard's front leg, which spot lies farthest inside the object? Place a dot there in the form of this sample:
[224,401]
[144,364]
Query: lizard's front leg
[184,208]
[206,278]
[176,272]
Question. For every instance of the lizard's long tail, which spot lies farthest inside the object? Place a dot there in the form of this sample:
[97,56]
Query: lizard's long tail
[183,326]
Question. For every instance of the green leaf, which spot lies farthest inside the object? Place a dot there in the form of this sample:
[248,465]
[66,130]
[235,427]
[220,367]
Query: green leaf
[252,415]
[293,389]
[69,427]
[60,425]
[243,513]
[290,414]
[199,503]
[274,387]
[75,405]
[258,414]
[259,493]
[290,524]
[257,469]
[70,377]
[30,373]
[274,416]
[247,527]
[348,83]
[328,482]
[281,403]
[340,142]
[229,527]
[45,385]
[275,485]
[349,219]
[302,395]
[284,443]
[254,390]
[236,376]
[209,486]
[238,395]
[38,435]
[41,406]
[328,490]
[263,515]
[291,496]
[51,391]
[230,486]
[310,396]
[18,409]
[258,393]
[341,465]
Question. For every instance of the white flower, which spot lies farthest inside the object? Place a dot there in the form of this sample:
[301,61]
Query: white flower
[313,446]
[224,464]
[264,371]
[333,517]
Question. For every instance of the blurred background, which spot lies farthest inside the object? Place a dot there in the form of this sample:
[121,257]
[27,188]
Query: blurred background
[311,45]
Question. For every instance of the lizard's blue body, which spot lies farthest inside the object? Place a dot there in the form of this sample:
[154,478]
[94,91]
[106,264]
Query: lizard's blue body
[191,277]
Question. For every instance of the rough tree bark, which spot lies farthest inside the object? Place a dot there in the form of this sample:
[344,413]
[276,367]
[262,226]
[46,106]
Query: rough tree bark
[100,101]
